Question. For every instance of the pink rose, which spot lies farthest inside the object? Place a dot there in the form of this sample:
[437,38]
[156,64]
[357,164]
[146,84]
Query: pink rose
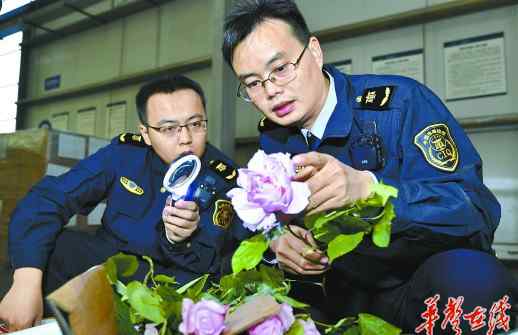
[309,327]
[266,187]
[206,317]
[275,325]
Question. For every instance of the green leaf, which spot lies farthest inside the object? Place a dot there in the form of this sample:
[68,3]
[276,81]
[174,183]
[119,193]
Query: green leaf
[382,229]
[384,191]
[271,276]
[165,279]
[184,288]
[341,325]
[122,317]
[343,244]
[196,289]
[373,325]
[354,330]
[120,288]
[249,253]
[120,265]
[296,329]
[290,301]
[145,302]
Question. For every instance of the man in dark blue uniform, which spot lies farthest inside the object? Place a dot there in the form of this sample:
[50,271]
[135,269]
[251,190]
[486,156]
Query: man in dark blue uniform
[186,239]
[347,132]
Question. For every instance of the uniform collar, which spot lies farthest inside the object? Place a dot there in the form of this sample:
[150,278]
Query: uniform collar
[339,123]
[157,164]
[323,117]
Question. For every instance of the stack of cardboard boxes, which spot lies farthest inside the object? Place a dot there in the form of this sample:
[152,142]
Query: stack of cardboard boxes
[28,155]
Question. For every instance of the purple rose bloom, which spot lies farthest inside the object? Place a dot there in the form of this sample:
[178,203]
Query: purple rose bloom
[266,187]
[309,327]
[275,325]
[206,317]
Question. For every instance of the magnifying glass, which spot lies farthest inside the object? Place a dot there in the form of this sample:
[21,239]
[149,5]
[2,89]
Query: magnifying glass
[179,179]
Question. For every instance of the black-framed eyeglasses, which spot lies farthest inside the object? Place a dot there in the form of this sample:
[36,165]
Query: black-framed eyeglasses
[281,75]
[175,129]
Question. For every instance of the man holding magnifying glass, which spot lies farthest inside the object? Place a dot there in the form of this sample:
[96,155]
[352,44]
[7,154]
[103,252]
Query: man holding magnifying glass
[185,239]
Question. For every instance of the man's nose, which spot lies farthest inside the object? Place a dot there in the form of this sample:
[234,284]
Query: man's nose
[271,88]
[184,135]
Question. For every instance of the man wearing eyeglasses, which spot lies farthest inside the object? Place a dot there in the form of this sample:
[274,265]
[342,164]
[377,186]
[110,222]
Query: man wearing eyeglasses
[185,239]
[347,132]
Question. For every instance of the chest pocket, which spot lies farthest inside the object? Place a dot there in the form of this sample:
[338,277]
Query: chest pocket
[387,125]
[130,203]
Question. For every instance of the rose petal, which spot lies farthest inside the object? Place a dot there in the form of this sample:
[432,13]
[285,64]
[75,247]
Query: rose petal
[285,161]
[286,316]
[247,211]
[256,163]
[268,222]
[300,198]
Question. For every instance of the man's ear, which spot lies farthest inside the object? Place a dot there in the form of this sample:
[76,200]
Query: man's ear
[316,50]
[144,132]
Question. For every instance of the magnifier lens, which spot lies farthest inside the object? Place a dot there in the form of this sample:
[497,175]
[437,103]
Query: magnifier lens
[181,175]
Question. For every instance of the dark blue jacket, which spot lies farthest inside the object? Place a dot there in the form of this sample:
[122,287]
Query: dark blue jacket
[128,175]
[442,200]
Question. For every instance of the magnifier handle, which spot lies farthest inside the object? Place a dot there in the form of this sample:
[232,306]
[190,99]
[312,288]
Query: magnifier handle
[189,196]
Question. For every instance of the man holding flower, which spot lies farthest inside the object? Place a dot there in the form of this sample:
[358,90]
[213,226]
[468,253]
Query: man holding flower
[349,132]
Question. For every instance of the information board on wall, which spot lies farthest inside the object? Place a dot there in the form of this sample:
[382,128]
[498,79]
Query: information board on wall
[345,66]
[475,67]
[60,121]
[406,63]
[86,121]
[116,118]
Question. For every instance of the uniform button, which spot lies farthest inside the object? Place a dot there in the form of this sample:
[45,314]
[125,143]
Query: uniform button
[162,189]
[188,244]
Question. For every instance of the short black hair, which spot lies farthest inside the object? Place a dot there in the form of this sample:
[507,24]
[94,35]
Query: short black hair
[247,14]
[166,84]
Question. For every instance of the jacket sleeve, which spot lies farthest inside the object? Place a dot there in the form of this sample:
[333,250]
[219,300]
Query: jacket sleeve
[40,216]
[447,198]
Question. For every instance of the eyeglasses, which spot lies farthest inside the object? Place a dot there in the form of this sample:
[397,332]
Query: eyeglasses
[173,129]
[281,75]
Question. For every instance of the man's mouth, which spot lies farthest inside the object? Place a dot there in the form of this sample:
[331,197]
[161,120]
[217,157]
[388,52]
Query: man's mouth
[284,108]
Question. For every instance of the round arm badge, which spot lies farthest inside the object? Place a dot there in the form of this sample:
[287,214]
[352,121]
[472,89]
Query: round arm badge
[438,147]
[223,214]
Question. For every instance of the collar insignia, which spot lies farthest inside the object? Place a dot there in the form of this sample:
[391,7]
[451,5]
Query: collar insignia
[223,170]
[438,147]
[377,98]
[131,186]
[129,138]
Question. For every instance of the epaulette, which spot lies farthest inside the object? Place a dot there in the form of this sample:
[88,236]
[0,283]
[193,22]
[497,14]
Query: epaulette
[129,138]
[265,125]
[224,170]
[377,98]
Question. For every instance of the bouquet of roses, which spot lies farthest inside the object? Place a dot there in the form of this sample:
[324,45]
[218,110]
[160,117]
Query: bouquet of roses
[268,192]
[159,305]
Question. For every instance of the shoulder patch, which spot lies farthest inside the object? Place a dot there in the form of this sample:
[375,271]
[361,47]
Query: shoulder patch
[438,147]
[223,214]
[265,124]
[377,98]
[129,138]
[224,170]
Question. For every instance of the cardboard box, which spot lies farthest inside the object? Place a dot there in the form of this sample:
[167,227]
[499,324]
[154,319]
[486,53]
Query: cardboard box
[26,156]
